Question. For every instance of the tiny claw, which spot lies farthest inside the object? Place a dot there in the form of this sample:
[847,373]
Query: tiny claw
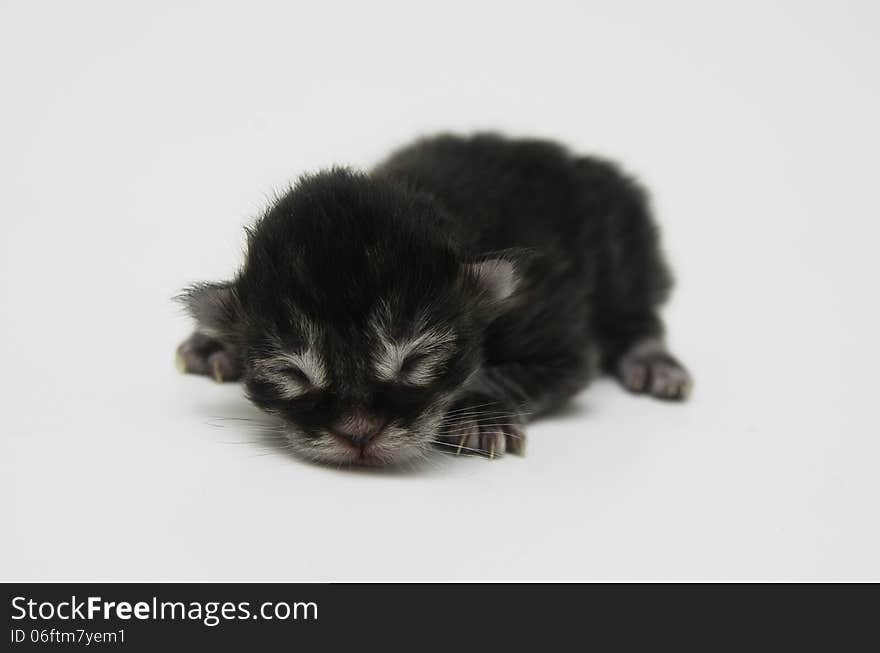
[492,448]
[180,363]
[218,375]
[685,391]
[516,443]
[461,444]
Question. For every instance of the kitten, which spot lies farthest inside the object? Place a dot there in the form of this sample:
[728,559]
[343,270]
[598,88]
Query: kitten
[461,288]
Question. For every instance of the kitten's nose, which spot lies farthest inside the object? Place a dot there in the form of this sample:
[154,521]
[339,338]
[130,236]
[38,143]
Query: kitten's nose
[359,429]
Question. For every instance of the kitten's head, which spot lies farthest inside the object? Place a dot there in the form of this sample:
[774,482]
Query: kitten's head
[357,317]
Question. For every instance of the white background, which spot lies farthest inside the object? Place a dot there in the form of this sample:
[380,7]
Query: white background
[137,139]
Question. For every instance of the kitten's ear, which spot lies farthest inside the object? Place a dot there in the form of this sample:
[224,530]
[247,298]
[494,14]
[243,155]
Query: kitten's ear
[214,306]
[495,279]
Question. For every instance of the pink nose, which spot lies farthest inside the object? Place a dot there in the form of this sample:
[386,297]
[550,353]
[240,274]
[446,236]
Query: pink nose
[359,429]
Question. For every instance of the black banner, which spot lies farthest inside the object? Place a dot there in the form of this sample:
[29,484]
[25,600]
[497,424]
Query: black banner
[244,616]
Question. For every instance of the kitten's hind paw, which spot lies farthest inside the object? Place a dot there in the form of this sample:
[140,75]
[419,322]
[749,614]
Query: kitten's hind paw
[201,354]
[649,370]
[481,426]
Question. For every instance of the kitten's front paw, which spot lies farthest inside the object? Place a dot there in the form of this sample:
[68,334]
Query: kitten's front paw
[201,354]
[481,425]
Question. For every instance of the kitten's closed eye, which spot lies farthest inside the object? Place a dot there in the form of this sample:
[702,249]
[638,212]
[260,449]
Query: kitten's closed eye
[412,363]
[296,374]
[293,374]
[420,368]
[415,362]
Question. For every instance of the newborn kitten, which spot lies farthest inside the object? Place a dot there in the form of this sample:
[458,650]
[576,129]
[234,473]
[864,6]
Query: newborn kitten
[461,288]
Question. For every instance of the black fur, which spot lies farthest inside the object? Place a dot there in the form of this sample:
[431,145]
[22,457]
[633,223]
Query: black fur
[442,232]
